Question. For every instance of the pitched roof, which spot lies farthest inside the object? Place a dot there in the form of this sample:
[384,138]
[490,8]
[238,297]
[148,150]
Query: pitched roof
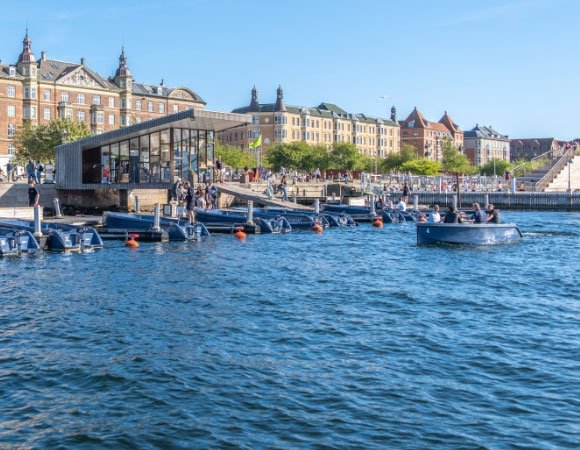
[485,133]
[332,107]
[445,125]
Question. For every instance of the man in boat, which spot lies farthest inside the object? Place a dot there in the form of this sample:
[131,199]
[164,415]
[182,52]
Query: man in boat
[402,206]
[434,217]
[388,202]
[492,214]
[189,195]
[478,215]
[452,216]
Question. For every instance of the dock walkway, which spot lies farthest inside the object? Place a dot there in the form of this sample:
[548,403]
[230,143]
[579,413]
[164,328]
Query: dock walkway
[239,191]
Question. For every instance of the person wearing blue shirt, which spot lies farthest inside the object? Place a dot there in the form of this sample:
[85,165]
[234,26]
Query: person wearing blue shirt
[479,215]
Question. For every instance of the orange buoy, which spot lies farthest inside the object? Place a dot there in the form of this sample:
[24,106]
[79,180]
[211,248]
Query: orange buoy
[239,234]
[378,223]
[422,219]
[317,228]
[131,242]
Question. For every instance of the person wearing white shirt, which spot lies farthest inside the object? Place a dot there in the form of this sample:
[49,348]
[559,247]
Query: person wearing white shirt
[402,206]
[434,217]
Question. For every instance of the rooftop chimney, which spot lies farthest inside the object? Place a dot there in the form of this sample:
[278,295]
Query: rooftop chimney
[83,61]
[43,56]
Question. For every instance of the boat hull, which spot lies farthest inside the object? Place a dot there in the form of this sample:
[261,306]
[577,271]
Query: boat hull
[176,229]
[463,233]
[15,242]
[218,217]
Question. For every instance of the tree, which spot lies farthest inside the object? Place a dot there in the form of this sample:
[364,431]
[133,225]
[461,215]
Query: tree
[395,161]
[453,161]
[38,142]
[235,157]
[422,166]
[345,156]
[500,167]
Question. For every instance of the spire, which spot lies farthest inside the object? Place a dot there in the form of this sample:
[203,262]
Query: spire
[394,114]
[26,55]
[280,105]
[123,70]
[254,105]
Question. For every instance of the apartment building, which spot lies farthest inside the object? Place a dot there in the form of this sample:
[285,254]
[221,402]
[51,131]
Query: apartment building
[483,144]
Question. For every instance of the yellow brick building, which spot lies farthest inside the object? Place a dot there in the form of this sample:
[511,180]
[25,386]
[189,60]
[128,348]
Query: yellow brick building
[324,124]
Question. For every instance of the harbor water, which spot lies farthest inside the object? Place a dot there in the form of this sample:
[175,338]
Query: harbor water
[354,338]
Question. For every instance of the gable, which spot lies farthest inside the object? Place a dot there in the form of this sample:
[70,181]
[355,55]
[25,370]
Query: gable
[80,77]
[181,94]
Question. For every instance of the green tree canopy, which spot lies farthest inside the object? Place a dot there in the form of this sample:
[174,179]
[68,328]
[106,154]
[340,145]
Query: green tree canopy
[422,166]
[500,167]
[395,161]
[345,156]
[38,142]
[236,157]
[455,162]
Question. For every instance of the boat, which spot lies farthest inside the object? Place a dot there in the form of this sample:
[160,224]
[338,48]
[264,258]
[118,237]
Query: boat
[177,229]
[15,242]
[297,219]
[467,233]
[59,237]
[358,213]
[398,216]
[327,218]
[218,217]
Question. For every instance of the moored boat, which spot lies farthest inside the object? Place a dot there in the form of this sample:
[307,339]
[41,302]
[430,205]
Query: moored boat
[467,233]
[327,218]
[59,237]
[217,217]
[14,242]
[297,219]
[177,229]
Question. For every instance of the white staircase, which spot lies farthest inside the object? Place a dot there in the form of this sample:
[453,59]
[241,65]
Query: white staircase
[560,181]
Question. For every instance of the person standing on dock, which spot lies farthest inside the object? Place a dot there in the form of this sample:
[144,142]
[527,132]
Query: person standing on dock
[189,195]
[31,170]
[283,184]
[33,194]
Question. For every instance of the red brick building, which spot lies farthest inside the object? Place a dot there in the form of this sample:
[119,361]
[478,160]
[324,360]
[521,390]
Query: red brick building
[42,90]
[427,137]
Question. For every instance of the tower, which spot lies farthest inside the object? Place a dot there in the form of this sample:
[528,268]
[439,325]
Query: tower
[394,114]
[123,80]
[280,105]
[254,105]
[27,67]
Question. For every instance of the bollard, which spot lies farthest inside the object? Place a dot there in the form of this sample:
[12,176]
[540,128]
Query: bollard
[317,206]
[513,181]
[250,212]
[37,221]
[416,202]
[294,198]
[486,201]
[373,206]
[137,209]
[439,185]
[455,201]
[157,218]
[56,204]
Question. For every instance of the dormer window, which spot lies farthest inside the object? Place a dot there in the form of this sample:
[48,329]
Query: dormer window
[12,72]
[122,83]
[411,123]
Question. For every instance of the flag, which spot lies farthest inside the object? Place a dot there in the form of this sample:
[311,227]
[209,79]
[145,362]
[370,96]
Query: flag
[257,142]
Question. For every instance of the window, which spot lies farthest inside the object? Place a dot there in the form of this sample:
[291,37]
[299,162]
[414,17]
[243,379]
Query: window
[46,95]
[11,111]
[138,105]
[101,118]
[123,103]
[123,122]
[46,113]
[64,97]
[26,71]
[81,99]
[11,129]
[11,149]
[68,113]
[96,99]
[12,72]
[11,91]
[137,119]
[26,92]
[150,106]
[81,116]
[111,119]
[255,120]
[111,102]
[27,112]
[162,108]
[175,108]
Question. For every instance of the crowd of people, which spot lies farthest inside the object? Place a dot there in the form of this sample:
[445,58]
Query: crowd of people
[36,171]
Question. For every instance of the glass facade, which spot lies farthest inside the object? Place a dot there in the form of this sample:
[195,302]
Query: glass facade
[158,157]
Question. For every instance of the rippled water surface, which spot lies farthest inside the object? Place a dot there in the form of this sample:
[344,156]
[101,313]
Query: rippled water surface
[351,339]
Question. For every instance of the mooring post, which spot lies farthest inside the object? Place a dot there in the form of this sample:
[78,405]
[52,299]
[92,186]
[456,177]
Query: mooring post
[157,218]
[317,206]
[294,198]
[56,204]
[416,202]
[455,200]
[373,206]
[334,196]
[250,211]
[486,200]
[137,208]
[513,180]
[37,221]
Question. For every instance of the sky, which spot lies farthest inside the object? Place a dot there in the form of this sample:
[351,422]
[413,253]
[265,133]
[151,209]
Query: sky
[510,64]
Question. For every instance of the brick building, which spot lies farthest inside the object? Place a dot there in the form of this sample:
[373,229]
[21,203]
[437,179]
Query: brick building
[427,137]
[531,147]
[324,124]
[42,90]
[482,144]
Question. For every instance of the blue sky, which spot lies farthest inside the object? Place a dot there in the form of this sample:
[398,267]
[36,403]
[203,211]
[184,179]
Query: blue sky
[511,64]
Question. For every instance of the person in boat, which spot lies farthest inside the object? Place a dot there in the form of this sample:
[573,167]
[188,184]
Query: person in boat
[388,203]
[452,216]
[189,201]
[379,203]
[492,214]
[33,194]
[478,216]
[434,217]
[402,206]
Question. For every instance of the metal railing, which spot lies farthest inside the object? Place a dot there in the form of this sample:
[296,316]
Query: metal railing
[555,169]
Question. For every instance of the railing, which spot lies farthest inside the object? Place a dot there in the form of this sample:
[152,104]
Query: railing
[554,170]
